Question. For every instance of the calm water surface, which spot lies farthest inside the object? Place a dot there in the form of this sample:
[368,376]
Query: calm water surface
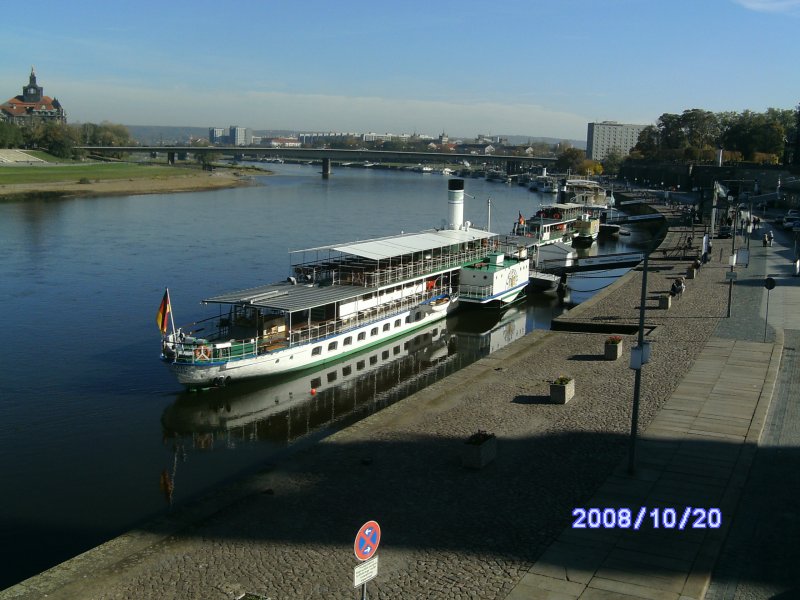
[97,437]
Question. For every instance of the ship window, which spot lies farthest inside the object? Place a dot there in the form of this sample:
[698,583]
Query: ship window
[360,365]
[387,326]
[348,340]
[374,331]
[331,376]
[316,382]
[373,359]
[396,350]
[397,323]
[435,331]
[408,319]
[385,354]
[362,336]
[332,346]
[316,351]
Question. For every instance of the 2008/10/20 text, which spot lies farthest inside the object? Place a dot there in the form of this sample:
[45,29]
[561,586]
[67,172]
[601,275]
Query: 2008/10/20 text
[658,518]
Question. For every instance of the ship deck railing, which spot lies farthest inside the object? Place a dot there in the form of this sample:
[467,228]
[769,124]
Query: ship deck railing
[475,292]
[202,351]
[368,274]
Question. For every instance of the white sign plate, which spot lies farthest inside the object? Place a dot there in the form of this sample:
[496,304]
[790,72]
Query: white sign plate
[365,571]
[731,275]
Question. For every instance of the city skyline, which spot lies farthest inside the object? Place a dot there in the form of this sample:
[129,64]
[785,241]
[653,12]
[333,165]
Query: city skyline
[519,68]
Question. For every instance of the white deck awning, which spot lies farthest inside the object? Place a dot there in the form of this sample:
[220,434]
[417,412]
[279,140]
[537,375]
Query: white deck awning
[384,248]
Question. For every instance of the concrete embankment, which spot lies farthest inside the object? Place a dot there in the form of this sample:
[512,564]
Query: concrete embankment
[447,532]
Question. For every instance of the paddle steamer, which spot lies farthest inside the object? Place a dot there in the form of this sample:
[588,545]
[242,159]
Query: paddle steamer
[339,299]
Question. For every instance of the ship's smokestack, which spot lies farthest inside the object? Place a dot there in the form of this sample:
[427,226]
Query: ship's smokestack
[455,203]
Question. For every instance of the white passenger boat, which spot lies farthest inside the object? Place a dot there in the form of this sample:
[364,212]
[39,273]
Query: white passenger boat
[339,299]
[552,223]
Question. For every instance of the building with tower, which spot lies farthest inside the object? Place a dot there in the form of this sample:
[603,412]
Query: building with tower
[32,106]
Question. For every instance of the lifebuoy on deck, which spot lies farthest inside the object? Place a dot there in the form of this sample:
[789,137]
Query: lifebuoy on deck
[202,353]
[556,215]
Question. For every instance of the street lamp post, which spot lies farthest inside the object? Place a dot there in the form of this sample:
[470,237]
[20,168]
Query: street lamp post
[732,260]
[638,358]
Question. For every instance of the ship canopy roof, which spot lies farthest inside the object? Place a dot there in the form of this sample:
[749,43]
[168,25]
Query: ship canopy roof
[389,247]
[285,296]
[291,296]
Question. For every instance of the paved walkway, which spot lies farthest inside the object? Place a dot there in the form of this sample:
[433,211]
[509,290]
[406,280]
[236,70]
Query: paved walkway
[694,454]
[698,453]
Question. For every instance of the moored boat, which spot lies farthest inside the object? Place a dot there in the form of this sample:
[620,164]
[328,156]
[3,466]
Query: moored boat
[544,185]
[338,300]
[587,228]
[499,279]
[551,224]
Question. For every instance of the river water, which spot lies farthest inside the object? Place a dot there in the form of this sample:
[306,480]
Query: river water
[96,436]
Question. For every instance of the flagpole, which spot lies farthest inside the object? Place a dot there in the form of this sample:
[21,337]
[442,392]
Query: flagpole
[171,316]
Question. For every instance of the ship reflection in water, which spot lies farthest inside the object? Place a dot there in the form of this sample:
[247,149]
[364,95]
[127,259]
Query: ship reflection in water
[289,408]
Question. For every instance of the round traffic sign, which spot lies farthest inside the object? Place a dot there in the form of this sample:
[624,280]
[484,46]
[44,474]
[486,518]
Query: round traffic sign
[367,540]
[769,283]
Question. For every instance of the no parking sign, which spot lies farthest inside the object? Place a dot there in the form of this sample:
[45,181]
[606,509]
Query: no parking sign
[367,540]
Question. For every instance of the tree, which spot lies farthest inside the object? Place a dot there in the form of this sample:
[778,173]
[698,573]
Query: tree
[590,167]
[59,139]
[10,135]
[570,159]
[105,134]
[671,133]
[649,142]
[613,161]
[700,128]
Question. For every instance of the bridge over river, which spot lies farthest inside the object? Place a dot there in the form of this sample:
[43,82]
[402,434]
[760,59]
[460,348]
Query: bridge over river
[511,164]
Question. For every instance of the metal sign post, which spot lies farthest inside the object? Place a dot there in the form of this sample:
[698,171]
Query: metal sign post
[769,283]
[730,276]
[366,544]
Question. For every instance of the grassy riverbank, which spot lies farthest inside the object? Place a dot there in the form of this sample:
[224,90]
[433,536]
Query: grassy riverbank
[99,179]
[75,173]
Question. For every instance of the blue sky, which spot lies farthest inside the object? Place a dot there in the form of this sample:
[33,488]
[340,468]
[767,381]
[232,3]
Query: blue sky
[519,67]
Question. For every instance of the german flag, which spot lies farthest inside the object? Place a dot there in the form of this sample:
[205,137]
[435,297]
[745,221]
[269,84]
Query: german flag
[162,317]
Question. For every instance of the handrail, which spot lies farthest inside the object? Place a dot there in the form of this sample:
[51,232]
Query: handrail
[205,352]
[474,291]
